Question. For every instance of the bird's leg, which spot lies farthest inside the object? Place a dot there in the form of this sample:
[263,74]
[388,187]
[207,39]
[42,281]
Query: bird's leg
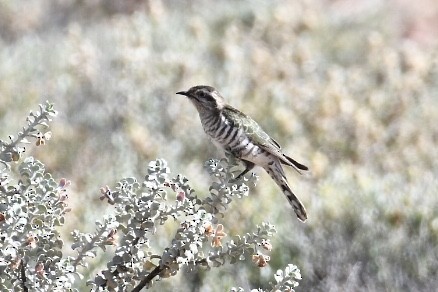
[230,155]
[248,166]
[233,158]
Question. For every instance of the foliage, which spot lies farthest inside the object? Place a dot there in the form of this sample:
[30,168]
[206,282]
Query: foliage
[31,211]
[34,207]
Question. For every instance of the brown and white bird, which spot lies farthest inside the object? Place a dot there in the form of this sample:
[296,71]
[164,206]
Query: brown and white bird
[238,134]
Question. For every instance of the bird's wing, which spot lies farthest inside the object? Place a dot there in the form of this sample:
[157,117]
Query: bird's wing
[261,138]
[254,131]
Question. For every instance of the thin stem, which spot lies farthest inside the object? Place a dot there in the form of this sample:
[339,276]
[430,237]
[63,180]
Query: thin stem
[86,248]
[23,277]
[24,134]
[155,272]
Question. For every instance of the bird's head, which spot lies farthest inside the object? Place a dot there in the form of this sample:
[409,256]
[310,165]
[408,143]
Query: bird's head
[205,98]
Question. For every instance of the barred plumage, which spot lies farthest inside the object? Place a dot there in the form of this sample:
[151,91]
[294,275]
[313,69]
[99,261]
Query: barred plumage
[241,136]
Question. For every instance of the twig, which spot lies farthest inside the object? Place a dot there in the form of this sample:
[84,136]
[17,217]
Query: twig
[155,272]
[23,276]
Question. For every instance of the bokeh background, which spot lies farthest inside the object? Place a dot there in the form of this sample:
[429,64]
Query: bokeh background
[347,87]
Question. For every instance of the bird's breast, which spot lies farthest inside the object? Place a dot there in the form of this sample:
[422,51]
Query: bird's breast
[228,136]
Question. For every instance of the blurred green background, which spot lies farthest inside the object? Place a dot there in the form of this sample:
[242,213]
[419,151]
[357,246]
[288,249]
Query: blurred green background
[349,88]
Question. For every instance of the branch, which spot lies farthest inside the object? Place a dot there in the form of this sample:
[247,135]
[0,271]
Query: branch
[33,120]
[155,272]
[23,276]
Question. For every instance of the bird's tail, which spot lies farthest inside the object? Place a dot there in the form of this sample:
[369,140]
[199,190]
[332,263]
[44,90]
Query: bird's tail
[295,164]
[276,172]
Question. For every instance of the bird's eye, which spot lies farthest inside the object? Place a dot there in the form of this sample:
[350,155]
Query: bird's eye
[201,94]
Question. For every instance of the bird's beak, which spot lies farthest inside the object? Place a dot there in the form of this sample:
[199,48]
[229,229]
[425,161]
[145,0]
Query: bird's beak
[182,93]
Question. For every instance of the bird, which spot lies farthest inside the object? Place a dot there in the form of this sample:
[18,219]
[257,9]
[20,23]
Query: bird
[242,137]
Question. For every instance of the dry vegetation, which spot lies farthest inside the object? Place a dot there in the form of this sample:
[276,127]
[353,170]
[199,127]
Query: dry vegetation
[348,91]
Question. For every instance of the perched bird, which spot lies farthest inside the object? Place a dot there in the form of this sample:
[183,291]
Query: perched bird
[238,134]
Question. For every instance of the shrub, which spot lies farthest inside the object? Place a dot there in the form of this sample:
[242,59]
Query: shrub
[34,207]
